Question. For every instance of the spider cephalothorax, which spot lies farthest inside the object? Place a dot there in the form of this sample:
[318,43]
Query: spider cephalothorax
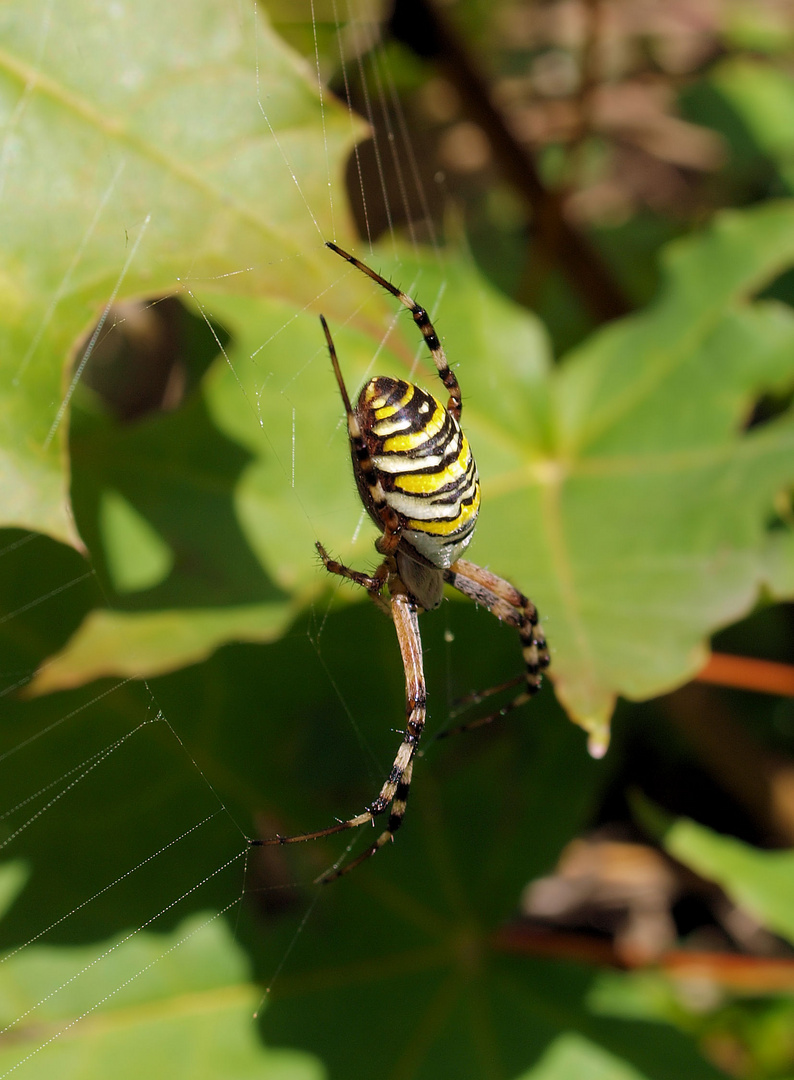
[416,476]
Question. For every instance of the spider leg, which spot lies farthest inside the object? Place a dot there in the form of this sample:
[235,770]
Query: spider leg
[398,808]
[372,583]
[422,320]
[476,697]
[396,788]
[388,543]
[511,606]
[398,785]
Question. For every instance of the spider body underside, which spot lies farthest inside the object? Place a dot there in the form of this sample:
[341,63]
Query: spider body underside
[417,479]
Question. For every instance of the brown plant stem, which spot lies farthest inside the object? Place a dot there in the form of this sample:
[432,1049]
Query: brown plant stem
[756,974]
[747,673]
[423,28]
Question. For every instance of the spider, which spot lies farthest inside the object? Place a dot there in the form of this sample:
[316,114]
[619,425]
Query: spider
[418,482]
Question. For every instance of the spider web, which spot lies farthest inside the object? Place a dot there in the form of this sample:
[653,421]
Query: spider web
[124,850]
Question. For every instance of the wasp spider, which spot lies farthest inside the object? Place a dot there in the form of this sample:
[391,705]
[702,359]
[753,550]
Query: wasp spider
[417,479]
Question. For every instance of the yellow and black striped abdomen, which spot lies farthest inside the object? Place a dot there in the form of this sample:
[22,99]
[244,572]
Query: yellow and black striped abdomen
[424,465]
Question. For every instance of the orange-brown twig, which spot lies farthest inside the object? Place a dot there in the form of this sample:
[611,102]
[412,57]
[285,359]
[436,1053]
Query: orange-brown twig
[740,972]
[747,673]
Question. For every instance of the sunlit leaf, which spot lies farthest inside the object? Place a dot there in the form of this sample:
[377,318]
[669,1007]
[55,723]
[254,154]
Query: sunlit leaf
[620,490]
[142,147]
[761,882]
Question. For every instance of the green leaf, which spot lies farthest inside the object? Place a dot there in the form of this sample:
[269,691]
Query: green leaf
[137,556]
[246,477]
[763,98]
[176,1005]
[573,1058]
[655,515]
[780,563]
[127,802]
[139,149]
[761,882]
[13,876]
[620,490]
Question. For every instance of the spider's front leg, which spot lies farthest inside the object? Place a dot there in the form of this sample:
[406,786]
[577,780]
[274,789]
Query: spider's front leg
[511,606]
[373,583]
[386,545]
